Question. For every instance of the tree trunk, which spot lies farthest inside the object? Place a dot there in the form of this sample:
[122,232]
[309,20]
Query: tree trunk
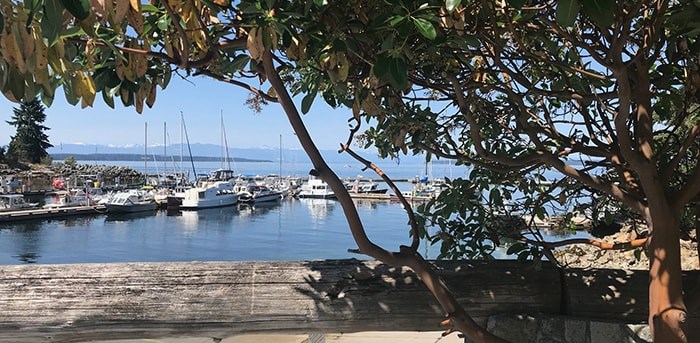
[667,312]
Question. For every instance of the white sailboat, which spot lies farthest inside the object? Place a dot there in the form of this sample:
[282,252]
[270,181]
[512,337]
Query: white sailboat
[215,192]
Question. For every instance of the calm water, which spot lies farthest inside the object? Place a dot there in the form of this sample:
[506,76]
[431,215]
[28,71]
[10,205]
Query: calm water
[294,229]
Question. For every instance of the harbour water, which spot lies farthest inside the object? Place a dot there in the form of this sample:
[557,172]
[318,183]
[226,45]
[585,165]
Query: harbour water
[293,229]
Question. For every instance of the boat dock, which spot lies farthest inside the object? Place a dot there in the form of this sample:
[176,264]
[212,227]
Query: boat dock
[50,213]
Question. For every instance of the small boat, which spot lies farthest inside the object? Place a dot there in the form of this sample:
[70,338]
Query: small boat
[131,201]
[256,193]
[316,188]
[208,195]
[364,186]
[14,202]
[71,198]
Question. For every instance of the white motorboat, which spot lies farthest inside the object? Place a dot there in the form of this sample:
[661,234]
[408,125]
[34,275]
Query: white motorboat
[255,193]
[316,188]
[208,195]
[15,202]
[131,201]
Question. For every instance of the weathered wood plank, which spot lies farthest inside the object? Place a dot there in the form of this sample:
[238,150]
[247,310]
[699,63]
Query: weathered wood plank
[67,303]
[99,301]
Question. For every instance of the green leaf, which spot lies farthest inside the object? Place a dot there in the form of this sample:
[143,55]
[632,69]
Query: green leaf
[516,247]
[517,4]
[381,68]
[396,20]
[601,12]
[108,98]
[425,28]
[567,11]
[398,73]
[307,101]
[80,9]
[239,62]
[163,22]
[51,21]
[450,5]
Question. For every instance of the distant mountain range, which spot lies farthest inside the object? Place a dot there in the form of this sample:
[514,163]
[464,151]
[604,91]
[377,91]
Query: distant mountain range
[139,157]
[203,152]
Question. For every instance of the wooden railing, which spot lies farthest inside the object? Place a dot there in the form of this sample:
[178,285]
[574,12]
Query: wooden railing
[81,302]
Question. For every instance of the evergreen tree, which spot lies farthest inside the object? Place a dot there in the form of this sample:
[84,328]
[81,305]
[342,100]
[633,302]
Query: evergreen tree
[30,142]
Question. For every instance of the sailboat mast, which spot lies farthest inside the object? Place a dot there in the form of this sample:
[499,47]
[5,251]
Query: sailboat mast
[223,131]
[189,149]
[221,138]
[165,147]
[145,152]
[280,175]
[182,166]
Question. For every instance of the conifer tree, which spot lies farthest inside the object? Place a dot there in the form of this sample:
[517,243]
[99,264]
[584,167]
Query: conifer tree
[30,142]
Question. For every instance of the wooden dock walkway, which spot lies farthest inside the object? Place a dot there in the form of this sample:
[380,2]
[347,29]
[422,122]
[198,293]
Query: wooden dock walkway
[51,213]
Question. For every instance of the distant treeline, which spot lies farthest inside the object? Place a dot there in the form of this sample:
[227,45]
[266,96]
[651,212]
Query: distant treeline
[140,157]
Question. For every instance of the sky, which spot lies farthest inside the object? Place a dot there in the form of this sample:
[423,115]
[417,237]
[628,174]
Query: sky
[201,100]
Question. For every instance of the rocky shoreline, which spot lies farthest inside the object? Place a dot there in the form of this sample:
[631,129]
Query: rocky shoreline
[41,176]
[588,256]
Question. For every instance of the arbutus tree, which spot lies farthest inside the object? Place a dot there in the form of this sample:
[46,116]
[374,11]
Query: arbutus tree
[602,94]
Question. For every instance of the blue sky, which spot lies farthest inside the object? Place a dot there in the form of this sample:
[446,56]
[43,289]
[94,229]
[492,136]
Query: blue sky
[201,100]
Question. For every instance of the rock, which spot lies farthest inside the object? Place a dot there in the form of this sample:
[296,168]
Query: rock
[588,256]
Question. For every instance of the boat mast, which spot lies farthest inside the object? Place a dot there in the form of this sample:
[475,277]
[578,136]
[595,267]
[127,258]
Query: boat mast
[145,152]
[189,148]
[279,178]
[225,141]
[182,166]
[165,148]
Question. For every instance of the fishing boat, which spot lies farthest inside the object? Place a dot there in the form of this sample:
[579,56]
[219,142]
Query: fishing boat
[316,188]
[208,195]
[131,201]
[14,202]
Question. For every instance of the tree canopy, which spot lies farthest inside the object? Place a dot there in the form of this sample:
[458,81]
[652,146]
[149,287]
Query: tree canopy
[30,142]
[600,98]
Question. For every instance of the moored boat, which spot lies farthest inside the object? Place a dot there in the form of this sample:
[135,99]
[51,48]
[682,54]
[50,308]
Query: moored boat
[70,198]
[14,202]
[365,187]
[255,193]
[316,188]
[208,195]
[131,201]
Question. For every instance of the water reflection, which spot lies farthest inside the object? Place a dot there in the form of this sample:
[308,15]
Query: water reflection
[219,216]
[28,242]
[259,209]
[127,217]
[370,204]
[319,208]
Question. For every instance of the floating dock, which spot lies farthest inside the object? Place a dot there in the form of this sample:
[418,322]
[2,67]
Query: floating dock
[50,213]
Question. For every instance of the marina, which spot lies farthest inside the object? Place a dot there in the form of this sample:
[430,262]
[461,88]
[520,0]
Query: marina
[291,229]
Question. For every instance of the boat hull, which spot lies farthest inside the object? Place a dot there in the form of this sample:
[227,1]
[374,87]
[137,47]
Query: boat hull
[114,208]
[221,201]
[316,196]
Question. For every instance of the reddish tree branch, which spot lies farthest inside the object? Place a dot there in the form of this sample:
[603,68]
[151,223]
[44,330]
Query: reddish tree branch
[456,313]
